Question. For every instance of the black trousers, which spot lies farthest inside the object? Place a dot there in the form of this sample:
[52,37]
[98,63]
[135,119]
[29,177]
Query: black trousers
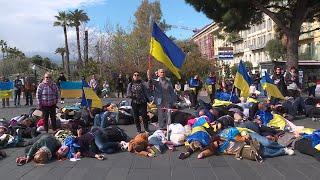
[120,90]
[49,111]
[140,110]
[28,95]
[213,93]
[194,98]
[305,147]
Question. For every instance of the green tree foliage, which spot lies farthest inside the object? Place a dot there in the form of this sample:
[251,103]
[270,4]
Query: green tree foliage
[237,15]
[194,63]
[275,49]
[44,62]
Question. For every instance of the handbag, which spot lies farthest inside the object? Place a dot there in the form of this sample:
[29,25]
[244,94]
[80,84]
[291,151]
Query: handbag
[250,151]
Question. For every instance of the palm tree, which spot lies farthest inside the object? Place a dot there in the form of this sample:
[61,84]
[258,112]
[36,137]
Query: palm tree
[61,51]
[77,17]
[63,21]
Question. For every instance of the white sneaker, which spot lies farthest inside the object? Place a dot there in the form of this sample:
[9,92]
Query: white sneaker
[289,151]
[124,145]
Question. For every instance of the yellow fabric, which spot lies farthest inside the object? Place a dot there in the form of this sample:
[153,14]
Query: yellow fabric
[158,53]
[242,84]
[251,100]
[240,129]
[317,147]
[218,102]
[198,128]
[90,94]
[192,89]
[66,93]
[5,94]
[277,121]
[209,88]
[307,130]
[272,90]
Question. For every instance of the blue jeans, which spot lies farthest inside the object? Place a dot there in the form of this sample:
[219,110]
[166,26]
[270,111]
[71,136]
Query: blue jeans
[264,141]
[103,144]
[101,120]
[157,142]
[269,148]
[17,94]
[272,152]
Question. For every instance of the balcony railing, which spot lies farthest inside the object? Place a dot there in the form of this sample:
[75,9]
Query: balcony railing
[257,46]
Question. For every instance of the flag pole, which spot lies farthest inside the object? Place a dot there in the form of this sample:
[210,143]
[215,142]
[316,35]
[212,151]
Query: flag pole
[231,92]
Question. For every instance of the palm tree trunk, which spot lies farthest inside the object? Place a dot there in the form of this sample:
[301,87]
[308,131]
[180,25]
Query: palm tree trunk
[67,51]
[78,45]
[63,65]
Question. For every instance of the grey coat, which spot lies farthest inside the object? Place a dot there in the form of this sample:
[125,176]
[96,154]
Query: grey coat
[158,92]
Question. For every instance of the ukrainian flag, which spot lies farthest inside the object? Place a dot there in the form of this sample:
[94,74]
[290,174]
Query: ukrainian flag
[76,89]
[165,51]
[268,85]
[71,89]
[89,97]
[6,89]
[242,80]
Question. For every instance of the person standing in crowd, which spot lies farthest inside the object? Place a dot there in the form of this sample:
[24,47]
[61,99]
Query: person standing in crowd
[186,87]
[292,82]
[312,84]
[105,89]
[61,78]
[120,84]
[28,90]
[278,80]
[164,96]
[177,88]
[17,90]
[5,101]
[47,96]
[195,86]
[94,83]
[138,93]
[211,85]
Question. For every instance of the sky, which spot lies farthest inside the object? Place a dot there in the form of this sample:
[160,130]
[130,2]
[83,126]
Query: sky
[28,24]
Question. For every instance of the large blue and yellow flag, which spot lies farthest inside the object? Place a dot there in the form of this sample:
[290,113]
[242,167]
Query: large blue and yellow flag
[268,85]
[71,89]
[165,51]
[89,97]
[77,89]
[242,80]
[6,89]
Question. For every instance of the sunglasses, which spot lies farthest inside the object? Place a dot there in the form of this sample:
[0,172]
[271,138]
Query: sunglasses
[135,74]
[48,77]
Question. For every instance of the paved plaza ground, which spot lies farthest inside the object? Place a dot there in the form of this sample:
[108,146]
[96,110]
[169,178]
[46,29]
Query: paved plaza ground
[165,166]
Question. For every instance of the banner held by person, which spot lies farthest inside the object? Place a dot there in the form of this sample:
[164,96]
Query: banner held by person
[268,85]
[165,51]
[77,89]
[6,89]
[242,80]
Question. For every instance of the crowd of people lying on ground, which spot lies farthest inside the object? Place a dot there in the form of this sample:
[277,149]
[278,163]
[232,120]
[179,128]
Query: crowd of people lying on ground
[249,129]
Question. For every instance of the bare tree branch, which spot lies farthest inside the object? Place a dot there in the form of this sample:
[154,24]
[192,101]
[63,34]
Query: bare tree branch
[315,29]
[272,15]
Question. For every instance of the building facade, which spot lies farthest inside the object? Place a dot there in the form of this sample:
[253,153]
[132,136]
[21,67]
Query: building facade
[204,40]
[250,45]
